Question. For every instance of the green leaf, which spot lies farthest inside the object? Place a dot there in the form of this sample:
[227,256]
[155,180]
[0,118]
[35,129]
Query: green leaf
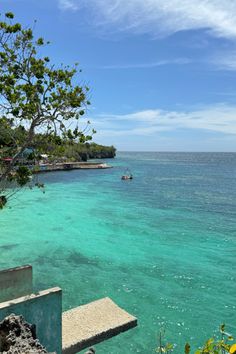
[40,41]
[9,15]
[222,328]
[187,348]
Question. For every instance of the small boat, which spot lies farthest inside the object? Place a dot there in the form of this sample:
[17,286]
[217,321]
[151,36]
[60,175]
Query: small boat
[127,175]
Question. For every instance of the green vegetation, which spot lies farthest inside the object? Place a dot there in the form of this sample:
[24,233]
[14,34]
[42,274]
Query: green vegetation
[39,104]
[211,346]
[63,149]
[35,94]
[57,148]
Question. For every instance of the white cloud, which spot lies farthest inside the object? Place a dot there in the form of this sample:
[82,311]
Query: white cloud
[177,61]
[219,119]
[227,61]
[211,128]
[161,17]
[68,5]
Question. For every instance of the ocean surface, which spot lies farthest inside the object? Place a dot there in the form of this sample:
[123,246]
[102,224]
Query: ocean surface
[162,246]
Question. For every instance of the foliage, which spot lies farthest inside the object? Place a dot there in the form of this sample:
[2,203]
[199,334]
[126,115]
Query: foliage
[3,201]
[54,146]
[187,348]
[77,151]
[218,346]
[35,96]
[211,346]
[23,175]
[164,347]
[33,90]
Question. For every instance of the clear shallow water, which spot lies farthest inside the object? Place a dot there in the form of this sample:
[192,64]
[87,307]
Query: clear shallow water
[162,246]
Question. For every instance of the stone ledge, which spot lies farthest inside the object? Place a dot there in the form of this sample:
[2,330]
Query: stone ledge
[23,299]
[93,323]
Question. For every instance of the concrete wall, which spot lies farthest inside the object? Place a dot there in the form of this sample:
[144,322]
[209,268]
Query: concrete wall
[45,311]
[15,282]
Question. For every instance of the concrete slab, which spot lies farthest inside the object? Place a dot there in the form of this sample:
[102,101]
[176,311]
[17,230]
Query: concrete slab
[93,323]
[15,282]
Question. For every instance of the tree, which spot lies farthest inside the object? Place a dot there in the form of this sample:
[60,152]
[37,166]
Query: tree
[35,95]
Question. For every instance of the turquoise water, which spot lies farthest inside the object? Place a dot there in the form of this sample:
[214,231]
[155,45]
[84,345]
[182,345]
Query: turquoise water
[162,245]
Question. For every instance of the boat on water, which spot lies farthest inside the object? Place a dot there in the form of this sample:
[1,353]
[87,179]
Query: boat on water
[127,175]
[124,177]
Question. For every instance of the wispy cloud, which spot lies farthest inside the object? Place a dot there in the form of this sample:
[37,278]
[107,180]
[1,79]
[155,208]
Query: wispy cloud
[68,5]
[159,17]
[177,61]
[225,61]
[218,119]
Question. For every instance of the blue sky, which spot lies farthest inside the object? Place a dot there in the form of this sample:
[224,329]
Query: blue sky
[162,73]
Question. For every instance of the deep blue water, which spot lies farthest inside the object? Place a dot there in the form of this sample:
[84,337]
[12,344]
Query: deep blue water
[162,245]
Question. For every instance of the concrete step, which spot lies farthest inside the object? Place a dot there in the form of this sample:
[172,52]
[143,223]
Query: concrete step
[93,323]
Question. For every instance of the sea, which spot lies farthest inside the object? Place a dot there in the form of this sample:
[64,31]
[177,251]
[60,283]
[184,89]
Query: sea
[162,246]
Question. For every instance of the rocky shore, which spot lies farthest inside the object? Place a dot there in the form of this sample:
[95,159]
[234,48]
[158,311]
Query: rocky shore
[18,336]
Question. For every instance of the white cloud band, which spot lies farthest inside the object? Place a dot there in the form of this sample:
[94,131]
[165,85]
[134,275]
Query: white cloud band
[161,17]
[218,119]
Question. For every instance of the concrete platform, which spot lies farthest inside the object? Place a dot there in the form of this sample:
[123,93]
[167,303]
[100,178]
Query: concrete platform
[93,323]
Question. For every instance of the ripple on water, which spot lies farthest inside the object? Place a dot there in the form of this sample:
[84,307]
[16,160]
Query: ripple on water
[160,246]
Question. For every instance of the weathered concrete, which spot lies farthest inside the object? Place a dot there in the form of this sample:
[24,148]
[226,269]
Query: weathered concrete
[15,282]
[93,323]
[66,333]
[44,310]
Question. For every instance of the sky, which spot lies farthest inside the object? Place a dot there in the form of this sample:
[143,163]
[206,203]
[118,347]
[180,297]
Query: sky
[162,74]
